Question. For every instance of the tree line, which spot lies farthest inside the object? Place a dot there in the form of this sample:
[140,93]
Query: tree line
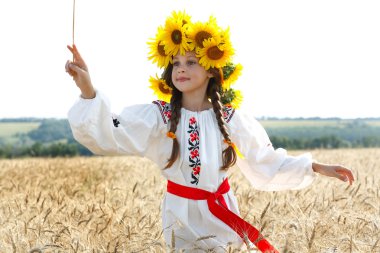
[352,134]
[324,142]
[54,138]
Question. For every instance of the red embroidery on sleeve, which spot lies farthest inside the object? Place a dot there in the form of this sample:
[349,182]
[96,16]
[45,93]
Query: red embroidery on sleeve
[165,110]
[228,112]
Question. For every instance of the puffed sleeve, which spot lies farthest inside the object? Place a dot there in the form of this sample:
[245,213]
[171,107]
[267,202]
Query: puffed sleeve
[266,168]
[138,130]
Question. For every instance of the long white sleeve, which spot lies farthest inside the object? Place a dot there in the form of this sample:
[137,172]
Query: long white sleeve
[268,169]
[138,130]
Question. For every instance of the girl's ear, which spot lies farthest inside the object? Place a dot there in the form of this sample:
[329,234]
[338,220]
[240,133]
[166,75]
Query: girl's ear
[209,74]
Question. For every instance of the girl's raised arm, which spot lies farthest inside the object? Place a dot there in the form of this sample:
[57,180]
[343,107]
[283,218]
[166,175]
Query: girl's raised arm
[79,71]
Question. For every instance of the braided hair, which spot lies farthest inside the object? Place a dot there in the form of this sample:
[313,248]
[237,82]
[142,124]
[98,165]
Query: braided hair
[213,92]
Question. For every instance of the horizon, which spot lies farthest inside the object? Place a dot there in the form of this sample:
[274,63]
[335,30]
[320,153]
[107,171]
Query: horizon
[258,118]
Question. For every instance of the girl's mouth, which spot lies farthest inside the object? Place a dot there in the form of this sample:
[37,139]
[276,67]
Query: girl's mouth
[183,79]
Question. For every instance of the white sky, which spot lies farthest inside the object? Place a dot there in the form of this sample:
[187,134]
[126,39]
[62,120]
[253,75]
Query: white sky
[301,58]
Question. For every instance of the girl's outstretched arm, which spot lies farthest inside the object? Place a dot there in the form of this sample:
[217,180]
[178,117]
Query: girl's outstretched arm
[79,71]
[337,171]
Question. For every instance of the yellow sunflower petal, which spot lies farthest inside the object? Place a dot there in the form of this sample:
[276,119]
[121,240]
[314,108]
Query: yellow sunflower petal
[232,76]
[231,97]
[225,35]
[182,16]
[215,54]
[199,32]
[157,52]
[174,38]
[212,22]
[161,89]
[238,98]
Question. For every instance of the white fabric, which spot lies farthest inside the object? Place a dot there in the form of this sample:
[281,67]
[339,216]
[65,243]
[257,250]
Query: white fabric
[142,132]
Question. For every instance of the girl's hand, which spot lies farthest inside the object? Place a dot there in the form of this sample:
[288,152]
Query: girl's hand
[79,71]
[337,171]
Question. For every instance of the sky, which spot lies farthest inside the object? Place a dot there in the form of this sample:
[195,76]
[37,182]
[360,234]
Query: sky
[301,58]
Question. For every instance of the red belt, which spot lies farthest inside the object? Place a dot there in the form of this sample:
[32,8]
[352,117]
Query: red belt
[240,226]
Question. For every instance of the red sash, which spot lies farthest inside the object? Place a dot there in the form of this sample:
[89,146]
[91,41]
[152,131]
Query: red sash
[240,226]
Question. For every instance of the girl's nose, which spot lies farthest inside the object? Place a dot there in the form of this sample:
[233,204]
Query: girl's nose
[180,69]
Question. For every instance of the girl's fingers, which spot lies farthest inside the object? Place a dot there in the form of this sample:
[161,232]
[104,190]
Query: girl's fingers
[77,54]
[73,52]
[75,67]
[77,57]
[350,177]
[348,173]
[345,174]
[67,66]
[341,177]
[68,69]
[71,49]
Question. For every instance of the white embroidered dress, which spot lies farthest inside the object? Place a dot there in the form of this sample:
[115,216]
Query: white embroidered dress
[141,130]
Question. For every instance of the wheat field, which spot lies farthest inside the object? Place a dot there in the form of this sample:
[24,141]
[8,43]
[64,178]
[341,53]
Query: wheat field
[112,204]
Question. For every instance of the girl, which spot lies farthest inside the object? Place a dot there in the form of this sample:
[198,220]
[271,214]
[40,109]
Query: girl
[195,138]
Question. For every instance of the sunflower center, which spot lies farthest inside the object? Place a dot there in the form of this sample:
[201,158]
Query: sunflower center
[164,88]
[161,50]
[200,37]
[177,37]
[214,53]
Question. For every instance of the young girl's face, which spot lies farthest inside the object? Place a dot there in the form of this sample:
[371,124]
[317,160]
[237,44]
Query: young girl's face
[188,75]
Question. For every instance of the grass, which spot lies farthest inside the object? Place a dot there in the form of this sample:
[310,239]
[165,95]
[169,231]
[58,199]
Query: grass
[299,123]
[112,204]
[374,123]
[316,123]
[8,129]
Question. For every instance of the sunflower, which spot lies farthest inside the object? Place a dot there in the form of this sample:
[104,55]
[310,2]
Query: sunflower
[231,73]
[200,32]
[238,98]
[215,54]
[157,52]
[174,37]
[161,89]
[225,35]
[182,16]
[232,97]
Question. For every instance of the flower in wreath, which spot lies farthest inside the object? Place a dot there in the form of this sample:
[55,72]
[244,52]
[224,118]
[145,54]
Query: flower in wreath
[216,52]
[202,31]
[232,97]
[161,89]
[212,47]
[157,52]
[173,36]
[231,73]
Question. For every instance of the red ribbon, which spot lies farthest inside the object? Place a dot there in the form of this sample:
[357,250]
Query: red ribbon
[221,211]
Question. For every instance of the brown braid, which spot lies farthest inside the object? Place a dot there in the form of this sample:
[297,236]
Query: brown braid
[229,154]
[176,104]
[213,92]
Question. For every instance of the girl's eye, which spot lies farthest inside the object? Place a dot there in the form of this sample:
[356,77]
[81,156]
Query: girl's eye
[189,63]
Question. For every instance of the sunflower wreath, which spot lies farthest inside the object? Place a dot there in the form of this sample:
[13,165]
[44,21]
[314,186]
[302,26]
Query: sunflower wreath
[211,45]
